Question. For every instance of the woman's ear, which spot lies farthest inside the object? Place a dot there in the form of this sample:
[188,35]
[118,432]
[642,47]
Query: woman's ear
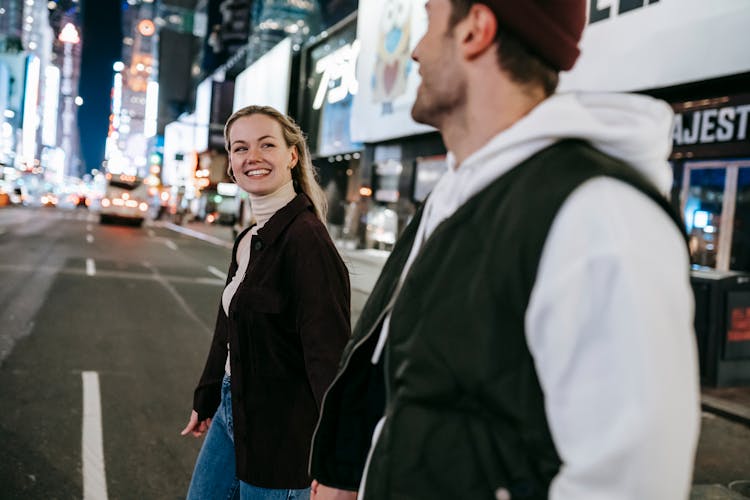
[295,157]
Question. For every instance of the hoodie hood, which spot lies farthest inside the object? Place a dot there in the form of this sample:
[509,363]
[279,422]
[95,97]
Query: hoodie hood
[633,128]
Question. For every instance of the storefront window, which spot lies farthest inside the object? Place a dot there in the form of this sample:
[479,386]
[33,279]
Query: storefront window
[716,208]
[383,217]
[382,228]
[703,214]
[429,171]
[740,259]
[387,176]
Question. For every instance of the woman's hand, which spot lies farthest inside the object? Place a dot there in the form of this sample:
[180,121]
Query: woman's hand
[322,492]
[197,429]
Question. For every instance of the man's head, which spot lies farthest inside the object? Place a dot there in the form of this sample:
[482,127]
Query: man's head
[549,29]
[534,40]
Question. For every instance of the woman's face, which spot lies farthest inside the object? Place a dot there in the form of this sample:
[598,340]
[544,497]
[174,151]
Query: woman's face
[259,157]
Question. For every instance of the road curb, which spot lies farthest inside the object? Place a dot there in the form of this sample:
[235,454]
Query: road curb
[728,409]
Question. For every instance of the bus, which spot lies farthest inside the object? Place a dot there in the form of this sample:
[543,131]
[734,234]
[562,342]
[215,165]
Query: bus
[126,198]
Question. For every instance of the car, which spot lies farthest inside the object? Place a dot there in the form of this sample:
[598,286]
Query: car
[48,200]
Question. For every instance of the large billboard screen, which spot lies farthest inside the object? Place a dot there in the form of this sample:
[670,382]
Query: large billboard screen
[641,45]
[388,79]
[266,81]
[330,86]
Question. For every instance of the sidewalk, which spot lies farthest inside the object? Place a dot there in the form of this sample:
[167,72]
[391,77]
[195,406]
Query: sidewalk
[364,267]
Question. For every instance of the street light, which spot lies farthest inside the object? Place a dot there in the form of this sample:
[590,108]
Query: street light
[69,34]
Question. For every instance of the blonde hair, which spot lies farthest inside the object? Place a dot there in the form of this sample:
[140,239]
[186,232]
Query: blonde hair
[303,175]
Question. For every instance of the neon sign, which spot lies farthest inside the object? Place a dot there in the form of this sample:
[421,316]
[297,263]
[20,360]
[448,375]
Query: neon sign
[339,75]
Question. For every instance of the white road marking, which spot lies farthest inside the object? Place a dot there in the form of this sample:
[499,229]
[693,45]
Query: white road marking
[90,238]
[90,267]
[92,448]
[187,308]
[216,272]
[171,244]
[130,275]
[198,234]
[151,233]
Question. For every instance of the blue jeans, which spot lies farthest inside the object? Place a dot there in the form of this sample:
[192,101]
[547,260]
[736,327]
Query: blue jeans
[215,476]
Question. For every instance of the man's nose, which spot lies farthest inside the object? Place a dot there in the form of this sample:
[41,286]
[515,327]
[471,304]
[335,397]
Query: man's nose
[414,54]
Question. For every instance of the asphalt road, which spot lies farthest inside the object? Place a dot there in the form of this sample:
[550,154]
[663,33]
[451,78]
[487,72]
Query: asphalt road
[138,313]
[136,307]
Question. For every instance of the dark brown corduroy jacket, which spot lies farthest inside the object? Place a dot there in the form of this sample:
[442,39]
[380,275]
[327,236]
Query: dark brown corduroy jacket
[287,326]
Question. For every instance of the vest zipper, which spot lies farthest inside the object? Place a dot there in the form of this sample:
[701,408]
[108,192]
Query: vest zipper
[373,442]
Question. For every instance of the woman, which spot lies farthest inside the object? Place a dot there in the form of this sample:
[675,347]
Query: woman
[282,324]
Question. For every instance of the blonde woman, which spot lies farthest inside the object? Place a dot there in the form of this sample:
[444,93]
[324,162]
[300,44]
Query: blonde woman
[282,323]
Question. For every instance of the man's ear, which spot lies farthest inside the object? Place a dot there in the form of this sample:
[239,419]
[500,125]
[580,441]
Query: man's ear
[476,32]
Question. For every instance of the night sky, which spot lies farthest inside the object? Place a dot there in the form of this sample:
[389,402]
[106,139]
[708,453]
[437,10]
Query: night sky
[102,38]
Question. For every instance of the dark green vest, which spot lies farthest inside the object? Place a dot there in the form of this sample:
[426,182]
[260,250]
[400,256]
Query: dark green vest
[465,412]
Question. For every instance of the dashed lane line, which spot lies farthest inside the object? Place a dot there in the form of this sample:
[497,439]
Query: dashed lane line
[90,267]
[89,238]
[92,446]
[170,244]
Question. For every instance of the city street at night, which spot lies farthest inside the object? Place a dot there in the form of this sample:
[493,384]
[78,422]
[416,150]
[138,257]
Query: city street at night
[135,306]
[484,249]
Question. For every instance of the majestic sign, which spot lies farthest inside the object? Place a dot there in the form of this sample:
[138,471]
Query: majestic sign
[712,127]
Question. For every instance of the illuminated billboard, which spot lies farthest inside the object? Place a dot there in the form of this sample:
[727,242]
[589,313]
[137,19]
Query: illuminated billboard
[330,86]
[266,81]
[388,79]
[638,46]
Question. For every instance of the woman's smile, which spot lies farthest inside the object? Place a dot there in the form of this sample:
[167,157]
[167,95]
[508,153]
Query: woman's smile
[257,172]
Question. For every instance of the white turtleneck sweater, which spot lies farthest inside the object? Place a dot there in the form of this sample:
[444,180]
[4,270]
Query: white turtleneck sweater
[263,208]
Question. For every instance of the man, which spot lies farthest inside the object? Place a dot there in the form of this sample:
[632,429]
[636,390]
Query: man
[533,325]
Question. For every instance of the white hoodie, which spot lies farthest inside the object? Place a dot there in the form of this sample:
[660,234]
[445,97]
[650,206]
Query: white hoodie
[610,318]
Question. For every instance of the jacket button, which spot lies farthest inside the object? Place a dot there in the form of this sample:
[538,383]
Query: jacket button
[258,245]
[502,494]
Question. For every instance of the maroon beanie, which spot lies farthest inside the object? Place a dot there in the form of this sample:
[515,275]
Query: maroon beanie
[550,28]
